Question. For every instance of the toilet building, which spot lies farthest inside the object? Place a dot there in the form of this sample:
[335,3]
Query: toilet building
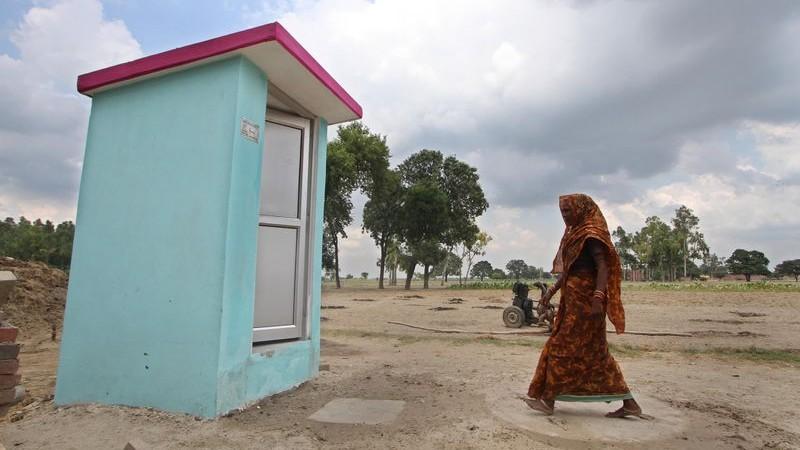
[196,270]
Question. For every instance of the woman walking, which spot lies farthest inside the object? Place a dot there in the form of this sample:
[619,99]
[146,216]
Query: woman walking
[575,364]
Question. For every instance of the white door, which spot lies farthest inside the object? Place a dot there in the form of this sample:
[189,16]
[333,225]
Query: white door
[282,229]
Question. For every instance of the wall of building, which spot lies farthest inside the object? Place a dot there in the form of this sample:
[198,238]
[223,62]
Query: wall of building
[246,376]
[153,258]
[160,301]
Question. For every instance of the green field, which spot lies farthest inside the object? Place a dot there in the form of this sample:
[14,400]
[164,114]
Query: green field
[687,286]
[691,286]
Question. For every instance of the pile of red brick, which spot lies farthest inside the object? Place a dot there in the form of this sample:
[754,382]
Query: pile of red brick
[11,391]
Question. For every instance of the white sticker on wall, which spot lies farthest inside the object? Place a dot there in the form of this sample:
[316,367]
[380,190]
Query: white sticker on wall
[250,130]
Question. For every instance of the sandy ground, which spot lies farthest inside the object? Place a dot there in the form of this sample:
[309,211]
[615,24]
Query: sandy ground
[459,389]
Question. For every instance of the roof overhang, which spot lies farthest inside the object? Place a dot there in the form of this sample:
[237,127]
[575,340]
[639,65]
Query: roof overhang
[288,66]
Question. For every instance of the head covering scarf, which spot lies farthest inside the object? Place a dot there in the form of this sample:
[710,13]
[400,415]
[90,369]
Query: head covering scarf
[590,223]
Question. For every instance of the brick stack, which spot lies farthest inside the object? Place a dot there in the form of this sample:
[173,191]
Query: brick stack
[11,391]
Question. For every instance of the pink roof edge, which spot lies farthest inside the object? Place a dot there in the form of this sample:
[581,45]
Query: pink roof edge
[212,47]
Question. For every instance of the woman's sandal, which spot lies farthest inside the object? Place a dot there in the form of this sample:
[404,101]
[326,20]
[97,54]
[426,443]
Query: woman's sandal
[622,413]
[537,404]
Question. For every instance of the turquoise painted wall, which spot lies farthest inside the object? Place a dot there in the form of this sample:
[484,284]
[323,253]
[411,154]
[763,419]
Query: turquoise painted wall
[236,342]
[246,376]
[290,365]
[160,302]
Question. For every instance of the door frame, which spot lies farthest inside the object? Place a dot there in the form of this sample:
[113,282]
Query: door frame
[306,211]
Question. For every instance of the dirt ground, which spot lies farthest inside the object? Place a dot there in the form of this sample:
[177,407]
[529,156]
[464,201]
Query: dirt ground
[734,381]
[37,303]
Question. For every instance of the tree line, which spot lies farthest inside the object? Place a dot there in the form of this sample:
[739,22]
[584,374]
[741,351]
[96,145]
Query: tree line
[423,214]
[37,241]
[516,269]
[420,214]
[666,251]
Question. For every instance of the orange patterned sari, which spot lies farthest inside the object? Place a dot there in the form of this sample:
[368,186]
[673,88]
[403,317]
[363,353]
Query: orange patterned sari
[575,364]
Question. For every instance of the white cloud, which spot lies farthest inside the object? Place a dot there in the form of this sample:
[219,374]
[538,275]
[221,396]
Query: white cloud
[71,37]
[643,105]
[779,146]
[742,208]
[506,61]
[521,233]
[43,129]
[634,103]
[749,200]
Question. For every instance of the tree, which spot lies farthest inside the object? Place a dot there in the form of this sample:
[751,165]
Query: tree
[406,262]
[713,266]
[393,261]
[37,241]
[789,267]
[642,246]
[657,248]
[364,275]
[474,247]
[623,242]
[693,245]
[382,215]
[354,159]
[532,273]
[482,269]
[464,200]
[328,253]
[498,274]
[7,229]
[369,152]
[660,249]
[423,220]
[63,237]
[453,266]
[469,239]
[339,185]
[423,166]
[748,263]
[516,268]
[428,253]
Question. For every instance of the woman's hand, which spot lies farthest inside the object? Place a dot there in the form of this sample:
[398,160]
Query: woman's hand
[551,291]
[548,294]
[597,302]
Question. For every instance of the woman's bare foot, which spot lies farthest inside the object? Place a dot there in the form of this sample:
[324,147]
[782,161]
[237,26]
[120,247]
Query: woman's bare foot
[539,405]
[629,408]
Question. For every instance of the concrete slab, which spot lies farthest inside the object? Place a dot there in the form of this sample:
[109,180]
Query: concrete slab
[7,282]
[6,275]
[359,411]
[577,423]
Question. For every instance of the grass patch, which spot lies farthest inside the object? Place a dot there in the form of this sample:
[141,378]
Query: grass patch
[714,286]
[629,351]
[687,286]
[498,284]
[453,339]
[752,354]
[505,342]
[755,354]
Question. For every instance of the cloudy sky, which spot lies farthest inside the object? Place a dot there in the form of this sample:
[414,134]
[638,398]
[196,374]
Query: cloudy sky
[643,105]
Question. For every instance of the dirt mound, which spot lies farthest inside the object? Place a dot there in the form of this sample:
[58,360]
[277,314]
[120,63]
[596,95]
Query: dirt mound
[37,303]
